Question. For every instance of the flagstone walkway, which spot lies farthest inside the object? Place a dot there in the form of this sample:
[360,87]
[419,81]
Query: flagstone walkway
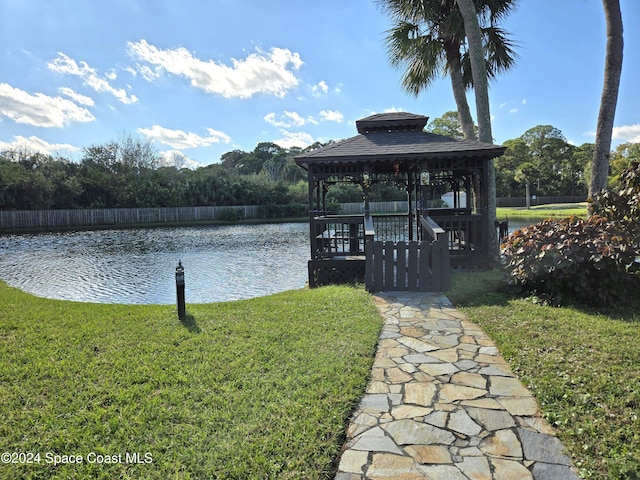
[442,404]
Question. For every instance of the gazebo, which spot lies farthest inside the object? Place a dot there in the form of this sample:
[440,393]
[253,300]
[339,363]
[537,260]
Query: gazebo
[416,249]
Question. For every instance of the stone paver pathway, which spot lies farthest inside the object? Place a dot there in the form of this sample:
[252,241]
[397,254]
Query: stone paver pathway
[442,404]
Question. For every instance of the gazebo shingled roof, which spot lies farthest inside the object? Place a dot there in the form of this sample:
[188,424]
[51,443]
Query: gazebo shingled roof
[384,137]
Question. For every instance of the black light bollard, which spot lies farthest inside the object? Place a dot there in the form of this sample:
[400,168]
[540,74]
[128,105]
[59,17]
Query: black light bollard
[180,290]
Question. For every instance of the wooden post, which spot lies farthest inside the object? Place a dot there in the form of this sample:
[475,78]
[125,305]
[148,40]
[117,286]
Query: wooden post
[180,290]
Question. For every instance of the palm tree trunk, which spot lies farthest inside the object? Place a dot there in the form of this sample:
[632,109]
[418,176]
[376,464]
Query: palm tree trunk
[609,99]
[481,89]
[459,92]
[478,68]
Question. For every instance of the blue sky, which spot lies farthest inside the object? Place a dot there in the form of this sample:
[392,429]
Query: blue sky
[204,77]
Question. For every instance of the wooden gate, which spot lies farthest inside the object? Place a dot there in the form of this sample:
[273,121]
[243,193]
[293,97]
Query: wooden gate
[409,266]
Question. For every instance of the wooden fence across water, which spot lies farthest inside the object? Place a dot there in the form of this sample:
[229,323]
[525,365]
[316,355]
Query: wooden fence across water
[101,217]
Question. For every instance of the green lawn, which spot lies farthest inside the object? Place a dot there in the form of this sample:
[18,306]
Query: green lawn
[264,388]
[543,211]
[252,389]
[583,367]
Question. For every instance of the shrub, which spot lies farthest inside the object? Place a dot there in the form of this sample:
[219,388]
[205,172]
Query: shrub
[284,211]
[622,207]
[590,261]
[230,215]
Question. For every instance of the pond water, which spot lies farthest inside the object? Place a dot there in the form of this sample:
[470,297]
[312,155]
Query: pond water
[516,223]
[137,266]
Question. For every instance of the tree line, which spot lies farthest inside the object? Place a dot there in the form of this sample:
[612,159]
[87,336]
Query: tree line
[542,162]
[128,173]
[543,159]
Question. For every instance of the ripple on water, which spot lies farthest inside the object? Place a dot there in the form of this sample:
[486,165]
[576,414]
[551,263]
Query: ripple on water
[138,265]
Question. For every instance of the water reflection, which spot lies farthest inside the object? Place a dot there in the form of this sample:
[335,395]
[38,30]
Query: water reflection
[138,265]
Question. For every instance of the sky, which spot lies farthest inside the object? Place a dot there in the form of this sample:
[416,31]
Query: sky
[200,78]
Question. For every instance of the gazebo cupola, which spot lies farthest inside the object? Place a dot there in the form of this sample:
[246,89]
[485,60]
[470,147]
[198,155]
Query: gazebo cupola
[391,122]
[393,147]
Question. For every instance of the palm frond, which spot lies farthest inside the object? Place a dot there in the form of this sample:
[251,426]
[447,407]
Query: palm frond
[500,51]
[422,29]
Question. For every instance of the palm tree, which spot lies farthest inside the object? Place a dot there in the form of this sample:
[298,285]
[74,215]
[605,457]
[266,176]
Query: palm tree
[428,37]
[481,89]
[609,99]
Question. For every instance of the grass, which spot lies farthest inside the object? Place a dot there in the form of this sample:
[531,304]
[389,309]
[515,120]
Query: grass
[583,367]
[263,388]
[543,211]
[253,389]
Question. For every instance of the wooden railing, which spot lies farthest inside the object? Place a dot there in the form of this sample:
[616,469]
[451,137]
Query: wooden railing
[432,230]
[394,227]
[464,231]
[338,235]
[396,254]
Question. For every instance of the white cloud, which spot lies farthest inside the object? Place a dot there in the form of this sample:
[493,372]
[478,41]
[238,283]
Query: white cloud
[627,133]
[269,72]
[67,66]
[288,120]
[320,88]
[179,139]
[131,70]
[39,109]
[513,109]
[292,119]
[35,144]
[294,139]
[148,73]
[332,116]
[174,158]
[76,97]
[623,133]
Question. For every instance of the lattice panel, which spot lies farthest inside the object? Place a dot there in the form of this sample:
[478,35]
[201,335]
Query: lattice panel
[327,272]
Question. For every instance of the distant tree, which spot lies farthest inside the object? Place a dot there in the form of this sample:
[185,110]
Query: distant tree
[254,161]
[136,154]
[292,172]
[233,159]
[517,153]
[316,145]
[575,173]
[113,174]
[609,99]
[549,152]
[12,179]
[622,159]
[274,167]
[542,157]
[448,125]
[66,188]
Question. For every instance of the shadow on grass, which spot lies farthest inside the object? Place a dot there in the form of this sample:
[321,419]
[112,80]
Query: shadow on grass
[487,288]
[478,288]
[189,322]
